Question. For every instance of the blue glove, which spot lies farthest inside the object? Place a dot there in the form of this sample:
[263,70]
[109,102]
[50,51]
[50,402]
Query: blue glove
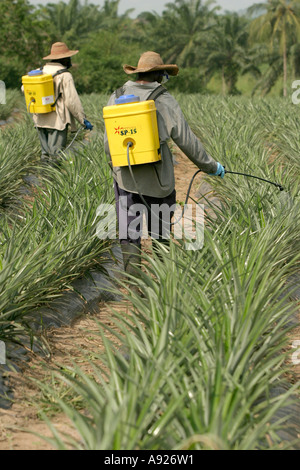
[220,171]
[88,125]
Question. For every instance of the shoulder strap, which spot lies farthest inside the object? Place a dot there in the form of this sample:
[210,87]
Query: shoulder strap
[156,93]
[59,72]
[54,75]
[119,92]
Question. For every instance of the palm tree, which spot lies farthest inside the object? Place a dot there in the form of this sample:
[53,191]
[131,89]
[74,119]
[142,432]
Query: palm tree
[228,53]
[147,27]
[111,19]
[74,21]
[280,24]
[183,25]
[70,21]
[272,73]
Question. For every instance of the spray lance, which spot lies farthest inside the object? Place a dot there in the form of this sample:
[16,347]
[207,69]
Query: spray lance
[88,126]
[256,177]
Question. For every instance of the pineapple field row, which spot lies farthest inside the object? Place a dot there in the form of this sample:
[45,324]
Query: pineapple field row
[203,359]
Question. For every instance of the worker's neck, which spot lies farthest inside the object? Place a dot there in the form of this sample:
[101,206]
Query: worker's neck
[143,82]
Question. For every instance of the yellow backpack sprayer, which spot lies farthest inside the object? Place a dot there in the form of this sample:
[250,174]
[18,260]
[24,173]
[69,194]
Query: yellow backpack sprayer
[39,91]
[131,123]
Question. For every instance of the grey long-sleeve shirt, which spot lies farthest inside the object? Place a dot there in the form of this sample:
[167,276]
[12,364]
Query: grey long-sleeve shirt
[157,179]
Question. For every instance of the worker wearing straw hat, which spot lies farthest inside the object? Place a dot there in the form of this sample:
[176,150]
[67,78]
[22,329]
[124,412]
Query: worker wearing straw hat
[53,127]
[156,180]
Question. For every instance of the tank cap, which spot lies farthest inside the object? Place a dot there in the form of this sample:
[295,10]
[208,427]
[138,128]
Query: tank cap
[127,99]
[32,73]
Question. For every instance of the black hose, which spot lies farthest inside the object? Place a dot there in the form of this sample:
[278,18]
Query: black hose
[29,104]
[130,144]
[256,177]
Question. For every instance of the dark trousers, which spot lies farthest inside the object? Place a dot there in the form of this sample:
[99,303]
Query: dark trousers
[130,209]
[52,141]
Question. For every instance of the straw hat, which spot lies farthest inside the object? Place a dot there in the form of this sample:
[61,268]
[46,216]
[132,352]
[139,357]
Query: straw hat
[60,50]
[150,62]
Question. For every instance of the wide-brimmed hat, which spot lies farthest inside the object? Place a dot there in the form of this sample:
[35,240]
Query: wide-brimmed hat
[60,50]
[150,62]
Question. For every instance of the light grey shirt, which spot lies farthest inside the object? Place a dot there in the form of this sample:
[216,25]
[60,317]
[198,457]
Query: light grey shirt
[157,179]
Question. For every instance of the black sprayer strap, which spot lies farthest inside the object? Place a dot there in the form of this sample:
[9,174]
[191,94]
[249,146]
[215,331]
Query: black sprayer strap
[119,92]
[156,93]
[54,75]
[59,72]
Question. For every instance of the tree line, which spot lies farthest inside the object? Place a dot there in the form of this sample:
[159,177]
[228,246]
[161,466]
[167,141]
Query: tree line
[264,42]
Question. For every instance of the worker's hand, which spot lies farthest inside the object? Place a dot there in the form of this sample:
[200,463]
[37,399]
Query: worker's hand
[88,125]
[220,171]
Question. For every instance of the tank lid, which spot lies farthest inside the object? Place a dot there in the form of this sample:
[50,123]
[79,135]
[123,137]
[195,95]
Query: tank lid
[33,73]
[127,99]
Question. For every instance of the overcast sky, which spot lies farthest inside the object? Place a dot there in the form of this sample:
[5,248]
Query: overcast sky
[158,5]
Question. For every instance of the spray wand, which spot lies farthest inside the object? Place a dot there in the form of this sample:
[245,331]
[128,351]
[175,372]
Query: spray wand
[256,177]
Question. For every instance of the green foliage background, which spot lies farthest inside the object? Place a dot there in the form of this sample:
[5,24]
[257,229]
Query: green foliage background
[224,53]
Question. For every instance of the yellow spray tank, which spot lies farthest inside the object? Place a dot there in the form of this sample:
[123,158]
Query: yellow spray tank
[39,92]
[132,121]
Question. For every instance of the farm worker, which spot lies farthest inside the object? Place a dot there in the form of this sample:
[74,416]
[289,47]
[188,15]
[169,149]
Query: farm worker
[156,180]
[53,127]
